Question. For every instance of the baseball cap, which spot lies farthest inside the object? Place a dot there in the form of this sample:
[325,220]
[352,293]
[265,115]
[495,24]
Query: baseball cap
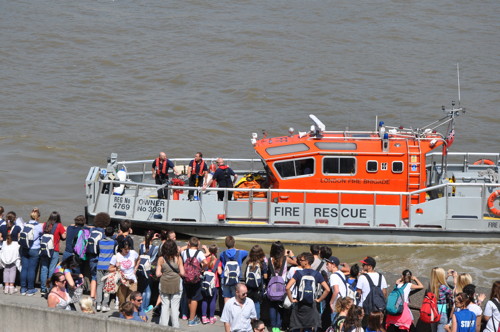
[369,261]
[333,260]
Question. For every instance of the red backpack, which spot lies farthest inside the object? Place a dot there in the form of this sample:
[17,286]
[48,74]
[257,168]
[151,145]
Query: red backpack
[429,311]
[192,268]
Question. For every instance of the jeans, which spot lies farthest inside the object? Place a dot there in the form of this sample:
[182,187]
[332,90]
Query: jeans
[275,313]
[170,308]
[47,267]
[29,262]
[146,296]
[442,322]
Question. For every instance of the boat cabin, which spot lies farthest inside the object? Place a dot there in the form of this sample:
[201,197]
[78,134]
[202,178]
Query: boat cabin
[387,160]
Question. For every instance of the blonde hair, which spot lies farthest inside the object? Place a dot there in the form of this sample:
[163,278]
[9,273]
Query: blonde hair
[35,214]
[438,278]
[463,280]
[87,305]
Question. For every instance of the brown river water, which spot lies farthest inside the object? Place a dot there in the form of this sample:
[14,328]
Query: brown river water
[79,80]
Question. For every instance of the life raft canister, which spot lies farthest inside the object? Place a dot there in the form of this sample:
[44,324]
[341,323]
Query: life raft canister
[491,203]
[484,162]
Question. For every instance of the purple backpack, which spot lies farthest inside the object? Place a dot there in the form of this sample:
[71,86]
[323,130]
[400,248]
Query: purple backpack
[276,288]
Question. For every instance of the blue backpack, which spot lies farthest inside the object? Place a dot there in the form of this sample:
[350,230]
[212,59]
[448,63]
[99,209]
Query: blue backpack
[27,235]
[232,270]
[208,281]
[395,301]
[93,242]
[47,243]
[306,293]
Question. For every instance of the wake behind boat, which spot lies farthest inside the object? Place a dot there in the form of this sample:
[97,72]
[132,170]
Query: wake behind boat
[389,185]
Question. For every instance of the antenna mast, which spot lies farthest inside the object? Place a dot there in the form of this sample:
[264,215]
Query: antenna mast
[458,78]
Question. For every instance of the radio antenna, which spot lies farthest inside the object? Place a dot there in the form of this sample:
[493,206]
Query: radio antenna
[458,78]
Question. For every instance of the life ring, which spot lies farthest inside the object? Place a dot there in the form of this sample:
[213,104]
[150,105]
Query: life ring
[484,162]
[491,203]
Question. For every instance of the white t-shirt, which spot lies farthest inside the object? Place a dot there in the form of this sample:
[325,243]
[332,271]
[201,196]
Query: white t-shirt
[127,263]
[364,285]
[335,279]
[475,309]
[491,310]
[201,256]
[406,291]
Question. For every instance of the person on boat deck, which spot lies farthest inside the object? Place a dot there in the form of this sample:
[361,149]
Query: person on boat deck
[159,170]
[197,171]
[223,177]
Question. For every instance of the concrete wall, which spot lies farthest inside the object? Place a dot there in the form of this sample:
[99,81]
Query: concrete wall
[20,317]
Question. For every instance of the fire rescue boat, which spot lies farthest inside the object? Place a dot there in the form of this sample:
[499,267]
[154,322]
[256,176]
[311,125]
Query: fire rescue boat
[389,185]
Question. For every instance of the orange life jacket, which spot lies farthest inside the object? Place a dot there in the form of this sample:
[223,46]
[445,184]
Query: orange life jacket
[163,169]
[202,166]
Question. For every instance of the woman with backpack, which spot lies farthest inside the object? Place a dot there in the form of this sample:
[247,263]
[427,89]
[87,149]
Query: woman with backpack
[170,269]
[30,252]
[214,268]
[147,252]
[277,268]
[53,231]
[404,321]
[255,274]
[491,314]
[444,295]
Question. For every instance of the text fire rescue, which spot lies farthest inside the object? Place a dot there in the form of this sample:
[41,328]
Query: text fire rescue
[289,211]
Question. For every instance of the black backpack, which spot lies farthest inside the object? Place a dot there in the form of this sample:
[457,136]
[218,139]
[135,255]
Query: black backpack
[375,300]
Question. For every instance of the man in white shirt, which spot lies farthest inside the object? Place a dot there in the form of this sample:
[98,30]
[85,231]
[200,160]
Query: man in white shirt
[363,285]
[239,311]
[337,282]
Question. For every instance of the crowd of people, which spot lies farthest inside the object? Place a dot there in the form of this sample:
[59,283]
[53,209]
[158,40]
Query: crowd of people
[312,291]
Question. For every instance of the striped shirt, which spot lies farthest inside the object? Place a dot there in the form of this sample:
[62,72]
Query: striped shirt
[106,250]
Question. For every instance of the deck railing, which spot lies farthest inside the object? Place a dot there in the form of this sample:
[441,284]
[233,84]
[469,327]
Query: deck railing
[446,190]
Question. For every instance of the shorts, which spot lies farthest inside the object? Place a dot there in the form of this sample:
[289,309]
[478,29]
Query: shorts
[193,291]
[228,291]
[93,260]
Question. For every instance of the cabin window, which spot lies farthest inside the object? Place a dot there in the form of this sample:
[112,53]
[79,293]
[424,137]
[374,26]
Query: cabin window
[383,166]
[336,146]
[397,167]
[339,165]
[371,166]
[295,168]
[289,148]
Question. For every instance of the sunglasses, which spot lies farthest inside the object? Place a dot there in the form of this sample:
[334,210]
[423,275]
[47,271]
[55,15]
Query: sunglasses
[262,329]
[138,300]
[64,280]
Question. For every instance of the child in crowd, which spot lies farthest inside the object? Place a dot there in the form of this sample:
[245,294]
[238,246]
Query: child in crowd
[208,303]
[375,322]
[124,233]
[255,274]
[193,288]
[107,248]
[9,255]
[342,307]
[127,261]
[148,253]
[353,320]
